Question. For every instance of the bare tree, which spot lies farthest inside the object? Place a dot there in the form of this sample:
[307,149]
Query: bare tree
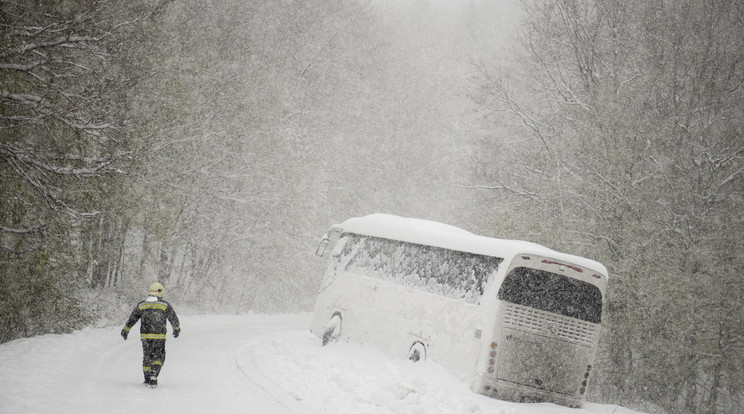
[631,115]
[63,153]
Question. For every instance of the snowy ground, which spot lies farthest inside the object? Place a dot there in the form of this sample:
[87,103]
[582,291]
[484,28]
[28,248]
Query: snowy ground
[235,364]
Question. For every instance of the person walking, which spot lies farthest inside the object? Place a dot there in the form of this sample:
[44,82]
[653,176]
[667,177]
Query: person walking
[153,311]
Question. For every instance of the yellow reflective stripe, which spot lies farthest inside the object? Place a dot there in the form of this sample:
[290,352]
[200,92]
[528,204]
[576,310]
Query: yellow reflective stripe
[127,328]
[152,336]
[153,305]
[146,369]
[157,362]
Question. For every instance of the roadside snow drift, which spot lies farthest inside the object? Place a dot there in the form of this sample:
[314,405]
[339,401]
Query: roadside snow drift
[235,364]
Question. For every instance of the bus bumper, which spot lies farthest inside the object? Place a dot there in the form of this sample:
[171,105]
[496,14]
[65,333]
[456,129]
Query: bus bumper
[509,391]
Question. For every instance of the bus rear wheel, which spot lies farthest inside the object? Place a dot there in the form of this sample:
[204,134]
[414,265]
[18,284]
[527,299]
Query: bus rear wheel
[417,352]
[333,329]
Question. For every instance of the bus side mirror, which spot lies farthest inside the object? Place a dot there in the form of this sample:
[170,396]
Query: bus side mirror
[322,246]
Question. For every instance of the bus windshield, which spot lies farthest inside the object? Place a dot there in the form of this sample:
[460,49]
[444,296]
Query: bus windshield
[552,292]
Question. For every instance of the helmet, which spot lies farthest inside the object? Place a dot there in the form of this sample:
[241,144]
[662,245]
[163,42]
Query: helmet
[157,289]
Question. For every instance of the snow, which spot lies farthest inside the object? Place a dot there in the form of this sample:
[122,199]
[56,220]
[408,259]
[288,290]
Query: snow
[235,364]
[433,233]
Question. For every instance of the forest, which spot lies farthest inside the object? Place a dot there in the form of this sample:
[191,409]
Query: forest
[210,144]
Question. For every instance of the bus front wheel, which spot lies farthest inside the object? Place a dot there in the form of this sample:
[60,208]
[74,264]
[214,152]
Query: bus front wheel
[417,352]
[333,329]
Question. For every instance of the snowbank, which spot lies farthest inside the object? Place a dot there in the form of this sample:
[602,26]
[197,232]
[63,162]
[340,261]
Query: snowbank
[235,364]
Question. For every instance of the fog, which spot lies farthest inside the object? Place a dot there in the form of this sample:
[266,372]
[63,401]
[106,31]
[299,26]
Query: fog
[210,144]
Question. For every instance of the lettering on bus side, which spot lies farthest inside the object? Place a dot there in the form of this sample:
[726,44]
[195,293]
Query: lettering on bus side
[518,339]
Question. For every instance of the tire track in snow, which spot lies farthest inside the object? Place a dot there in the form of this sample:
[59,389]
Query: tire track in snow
[246,363]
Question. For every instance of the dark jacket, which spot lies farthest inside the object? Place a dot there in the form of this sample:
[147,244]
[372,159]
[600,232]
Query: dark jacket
[154,312]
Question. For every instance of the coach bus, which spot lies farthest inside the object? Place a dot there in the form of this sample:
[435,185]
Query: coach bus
[515,320]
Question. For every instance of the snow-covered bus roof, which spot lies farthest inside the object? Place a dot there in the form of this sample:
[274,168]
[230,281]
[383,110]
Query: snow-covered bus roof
[437,234]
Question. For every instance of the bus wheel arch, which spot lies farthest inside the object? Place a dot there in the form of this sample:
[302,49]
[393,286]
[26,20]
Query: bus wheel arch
[332,331]
[417,352]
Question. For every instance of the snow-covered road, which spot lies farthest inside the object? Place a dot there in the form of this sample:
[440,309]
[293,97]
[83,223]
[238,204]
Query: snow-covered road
[96,371]
[234,364]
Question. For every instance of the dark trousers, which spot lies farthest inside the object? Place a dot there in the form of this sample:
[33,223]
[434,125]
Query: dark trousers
[153,356]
